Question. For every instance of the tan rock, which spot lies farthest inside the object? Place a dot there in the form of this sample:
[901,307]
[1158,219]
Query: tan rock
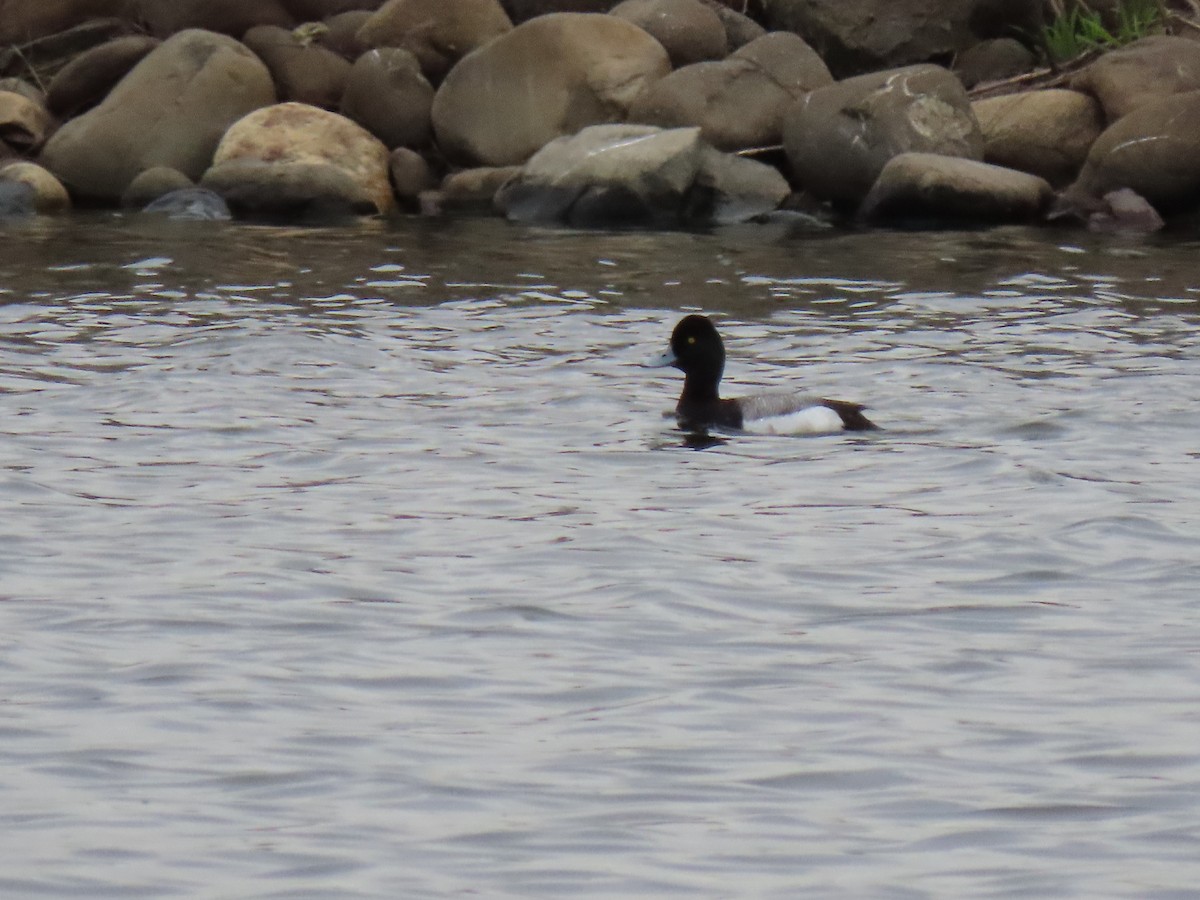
[551,76]
[1046,133]
[49,195]
[292,155]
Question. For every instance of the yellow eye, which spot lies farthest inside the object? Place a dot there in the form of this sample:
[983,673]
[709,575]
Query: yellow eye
[691,340]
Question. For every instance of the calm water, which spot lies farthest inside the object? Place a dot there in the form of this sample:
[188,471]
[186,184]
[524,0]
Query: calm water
[362,563]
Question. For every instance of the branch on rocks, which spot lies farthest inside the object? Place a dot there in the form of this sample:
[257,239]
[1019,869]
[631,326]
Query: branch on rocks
[1038,79]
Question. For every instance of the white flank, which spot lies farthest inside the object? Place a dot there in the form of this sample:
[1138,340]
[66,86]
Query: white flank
[811,420]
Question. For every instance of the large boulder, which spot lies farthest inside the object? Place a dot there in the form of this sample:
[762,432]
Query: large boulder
[1126,78]
[1046,133]
[737,102]
[548,77]
[438,33]
[1152,151]
[637,174]
[293,158]
[303,70]
[839,137]
[85,80]
[925,186]
[22,21]
[170,110]
[855,36]
[231,17]
[387,95]
[689,31]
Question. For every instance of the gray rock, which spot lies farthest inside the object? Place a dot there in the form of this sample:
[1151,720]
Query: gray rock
[192,203]
[838,138]
[1151,151]
[387,95]
[737,102]
[17,200]
[925,186]
[631,174]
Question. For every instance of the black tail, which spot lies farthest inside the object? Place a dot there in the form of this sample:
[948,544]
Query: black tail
[851,415]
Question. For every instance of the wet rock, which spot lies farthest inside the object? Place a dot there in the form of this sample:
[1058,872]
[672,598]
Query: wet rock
[550,76]
[926,186]
[411,176]
[17,200]
[993,60]
[85,81]
[24,124]
[856,36]
[689,31]
[1126,78]
[152,184]
[1152,151]
[293,158]
[387,95]
[231,17]
[171,110]
[737,102]
[49,196]
[636,174]
[839,137]
[1046,133]
[302,70]
[438,33]
[1125,212]
[192,203]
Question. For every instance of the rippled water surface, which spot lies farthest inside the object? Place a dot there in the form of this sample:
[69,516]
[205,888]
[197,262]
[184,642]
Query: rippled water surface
[363,563]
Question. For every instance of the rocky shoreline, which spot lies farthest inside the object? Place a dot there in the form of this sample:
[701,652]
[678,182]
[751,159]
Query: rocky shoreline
[667,113]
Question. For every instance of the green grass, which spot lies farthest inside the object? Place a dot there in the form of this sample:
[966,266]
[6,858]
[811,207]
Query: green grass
[1081,29]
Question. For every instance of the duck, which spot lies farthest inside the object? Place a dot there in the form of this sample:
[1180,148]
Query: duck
[697,350]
